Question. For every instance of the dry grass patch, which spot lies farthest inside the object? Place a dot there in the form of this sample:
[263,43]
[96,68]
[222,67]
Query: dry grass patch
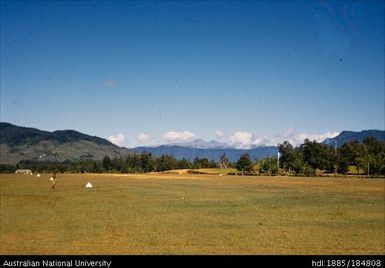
[191,214]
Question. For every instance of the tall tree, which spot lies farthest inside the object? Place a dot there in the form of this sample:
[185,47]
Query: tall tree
[200,163]
[348,154]
[318,156]
[268,166]
[166,162]
[290,159]
[244,164]
[183,164]
[107,165]
[146,162]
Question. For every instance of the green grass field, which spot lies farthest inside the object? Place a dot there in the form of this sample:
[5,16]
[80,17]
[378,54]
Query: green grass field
[191,214]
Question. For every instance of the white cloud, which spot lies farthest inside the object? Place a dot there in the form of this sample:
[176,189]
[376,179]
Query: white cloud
[118,139]
[183,136]
[246,140]
[318,137]
[259,141]
[298,138]
[143,137]
[218,134]
[241,139]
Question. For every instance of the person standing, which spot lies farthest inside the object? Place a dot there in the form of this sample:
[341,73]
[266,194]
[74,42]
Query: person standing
[53,181]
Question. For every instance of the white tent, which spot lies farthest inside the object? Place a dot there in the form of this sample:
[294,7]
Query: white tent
[38,175]
[89,185]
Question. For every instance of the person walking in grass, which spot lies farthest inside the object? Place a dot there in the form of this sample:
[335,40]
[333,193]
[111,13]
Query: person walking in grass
[53,181]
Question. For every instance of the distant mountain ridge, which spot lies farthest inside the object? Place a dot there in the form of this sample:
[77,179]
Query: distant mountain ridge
[189,153]
[23,143]
[15,135]
[346,136]
[200,148]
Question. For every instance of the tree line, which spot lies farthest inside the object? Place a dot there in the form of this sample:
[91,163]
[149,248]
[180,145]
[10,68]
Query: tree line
[312,158]
[309,159]
[132,163]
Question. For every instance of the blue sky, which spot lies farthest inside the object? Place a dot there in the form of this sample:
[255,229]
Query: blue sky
[245,72]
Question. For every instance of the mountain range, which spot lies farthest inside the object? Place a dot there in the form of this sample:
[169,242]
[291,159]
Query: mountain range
[345,136]
[189,153]
[22,143]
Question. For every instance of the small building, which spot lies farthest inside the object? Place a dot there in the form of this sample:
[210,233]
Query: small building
[23,171]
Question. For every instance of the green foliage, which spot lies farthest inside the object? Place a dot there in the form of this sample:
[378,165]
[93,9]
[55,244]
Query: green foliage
[318,156]
[200,163]
[132,163]
[107,165]
[268,166]
[146,162]
[348,154]
[373,146]
[368,158]
[183,164]
[165,162]
[378,164]
[343,166]
[244,164]
[290,160]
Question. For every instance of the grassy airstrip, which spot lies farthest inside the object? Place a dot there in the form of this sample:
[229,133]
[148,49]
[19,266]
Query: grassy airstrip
[191,214]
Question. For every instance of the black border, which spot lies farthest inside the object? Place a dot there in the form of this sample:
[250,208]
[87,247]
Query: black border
[326,261]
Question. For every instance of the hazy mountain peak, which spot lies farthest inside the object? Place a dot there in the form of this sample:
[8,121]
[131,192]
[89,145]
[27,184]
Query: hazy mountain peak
[202,144]
[346,136]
